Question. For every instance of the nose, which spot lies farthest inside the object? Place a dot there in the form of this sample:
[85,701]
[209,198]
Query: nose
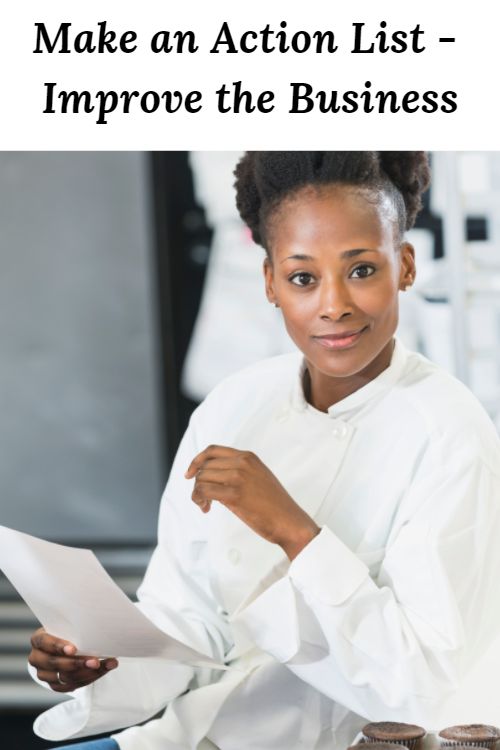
[334,299]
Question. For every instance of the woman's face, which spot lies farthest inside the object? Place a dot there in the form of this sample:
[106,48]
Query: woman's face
[335,269]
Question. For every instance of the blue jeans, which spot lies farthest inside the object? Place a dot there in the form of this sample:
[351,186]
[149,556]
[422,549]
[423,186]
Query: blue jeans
[106,744]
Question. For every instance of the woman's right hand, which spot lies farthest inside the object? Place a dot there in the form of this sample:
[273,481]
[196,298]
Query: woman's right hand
[55,663]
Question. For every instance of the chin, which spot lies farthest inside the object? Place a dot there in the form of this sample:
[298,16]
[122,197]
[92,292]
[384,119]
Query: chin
[345,362]
[344,369]
[338,364]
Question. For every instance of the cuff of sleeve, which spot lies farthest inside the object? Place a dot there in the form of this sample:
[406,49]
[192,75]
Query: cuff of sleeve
[33,674]
[270,621]
[131,694]
[67,719]
[327,569]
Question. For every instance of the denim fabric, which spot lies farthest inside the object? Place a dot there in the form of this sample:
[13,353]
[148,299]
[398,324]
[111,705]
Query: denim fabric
[105,744]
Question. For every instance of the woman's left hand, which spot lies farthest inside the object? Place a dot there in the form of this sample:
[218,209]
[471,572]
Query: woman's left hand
[240,481]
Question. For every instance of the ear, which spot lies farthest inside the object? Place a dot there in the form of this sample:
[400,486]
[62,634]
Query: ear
[267,267]
[408,270]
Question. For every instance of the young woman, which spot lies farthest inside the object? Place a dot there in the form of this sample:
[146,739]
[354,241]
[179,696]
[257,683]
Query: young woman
[330,524]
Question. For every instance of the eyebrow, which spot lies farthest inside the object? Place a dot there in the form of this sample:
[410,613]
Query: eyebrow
[344,254]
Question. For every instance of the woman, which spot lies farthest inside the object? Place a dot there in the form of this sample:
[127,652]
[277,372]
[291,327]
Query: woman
[331,514]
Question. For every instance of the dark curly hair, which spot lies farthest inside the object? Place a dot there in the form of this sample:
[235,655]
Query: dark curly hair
[264,179]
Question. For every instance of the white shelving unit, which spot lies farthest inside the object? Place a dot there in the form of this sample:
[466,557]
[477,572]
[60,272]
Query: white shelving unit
[468,184]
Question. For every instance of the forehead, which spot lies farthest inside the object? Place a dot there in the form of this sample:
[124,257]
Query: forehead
[333,216]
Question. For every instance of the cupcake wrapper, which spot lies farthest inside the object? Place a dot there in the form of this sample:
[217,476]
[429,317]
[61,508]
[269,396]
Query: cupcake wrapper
[415,744]
[485,745]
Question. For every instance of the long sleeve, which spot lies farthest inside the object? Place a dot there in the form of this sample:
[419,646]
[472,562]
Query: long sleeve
[175,595]
[176,592]
[400,643]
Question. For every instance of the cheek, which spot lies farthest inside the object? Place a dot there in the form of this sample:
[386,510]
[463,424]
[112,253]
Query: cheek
[378,299]
[377,304]
[299,310]
[299,321]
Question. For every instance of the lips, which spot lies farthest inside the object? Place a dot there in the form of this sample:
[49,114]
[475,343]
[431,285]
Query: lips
[339,340]
[337,336]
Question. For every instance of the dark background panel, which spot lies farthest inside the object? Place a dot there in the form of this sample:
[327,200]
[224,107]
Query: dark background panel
[81,453]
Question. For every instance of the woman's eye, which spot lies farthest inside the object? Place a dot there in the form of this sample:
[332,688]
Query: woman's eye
[301,279]
[363,269]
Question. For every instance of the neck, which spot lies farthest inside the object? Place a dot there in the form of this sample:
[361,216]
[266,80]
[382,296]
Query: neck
[323,391]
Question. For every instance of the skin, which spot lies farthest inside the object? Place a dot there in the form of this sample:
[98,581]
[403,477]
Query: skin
[51,655]
[325,293]
[319,292]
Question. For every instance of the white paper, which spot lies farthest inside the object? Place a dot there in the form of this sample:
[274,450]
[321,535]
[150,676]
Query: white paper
[73,597]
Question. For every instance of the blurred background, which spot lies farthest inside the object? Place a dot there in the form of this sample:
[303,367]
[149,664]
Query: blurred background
[123,279]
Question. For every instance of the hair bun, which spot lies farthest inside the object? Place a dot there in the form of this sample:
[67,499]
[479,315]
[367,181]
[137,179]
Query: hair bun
[409,171]
[264,178]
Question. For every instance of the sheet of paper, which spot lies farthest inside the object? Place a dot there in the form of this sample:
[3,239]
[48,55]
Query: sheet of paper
[70,593]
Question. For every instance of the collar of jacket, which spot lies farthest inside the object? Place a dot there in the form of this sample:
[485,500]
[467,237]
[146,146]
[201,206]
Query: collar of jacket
[353,403]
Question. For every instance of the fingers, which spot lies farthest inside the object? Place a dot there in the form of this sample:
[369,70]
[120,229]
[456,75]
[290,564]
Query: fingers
[50,644]
[64,680]
[213,451]
[43,661]
[67,675]
[205,492]
[228,463]
[40,659]
[220,476]
[220,471]
[64,672]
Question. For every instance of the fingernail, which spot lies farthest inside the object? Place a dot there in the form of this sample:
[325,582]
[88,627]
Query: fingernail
[69,650]
[92,664]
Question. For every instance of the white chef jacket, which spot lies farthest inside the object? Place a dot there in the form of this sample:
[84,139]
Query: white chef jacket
[381,615]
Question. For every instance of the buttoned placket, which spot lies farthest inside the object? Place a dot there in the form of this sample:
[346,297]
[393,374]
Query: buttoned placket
[305,451]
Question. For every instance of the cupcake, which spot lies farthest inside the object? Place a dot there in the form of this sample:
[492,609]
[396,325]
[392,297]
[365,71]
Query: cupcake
[394,733]
[471,735]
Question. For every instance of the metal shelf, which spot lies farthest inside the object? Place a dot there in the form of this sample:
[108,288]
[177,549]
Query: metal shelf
[472,270]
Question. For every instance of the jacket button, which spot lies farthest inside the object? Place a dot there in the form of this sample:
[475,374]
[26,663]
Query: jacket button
[340,430]
[234,556]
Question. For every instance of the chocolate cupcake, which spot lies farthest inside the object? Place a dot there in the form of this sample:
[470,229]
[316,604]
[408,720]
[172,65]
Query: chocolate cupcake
[394,733]
[471,735]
